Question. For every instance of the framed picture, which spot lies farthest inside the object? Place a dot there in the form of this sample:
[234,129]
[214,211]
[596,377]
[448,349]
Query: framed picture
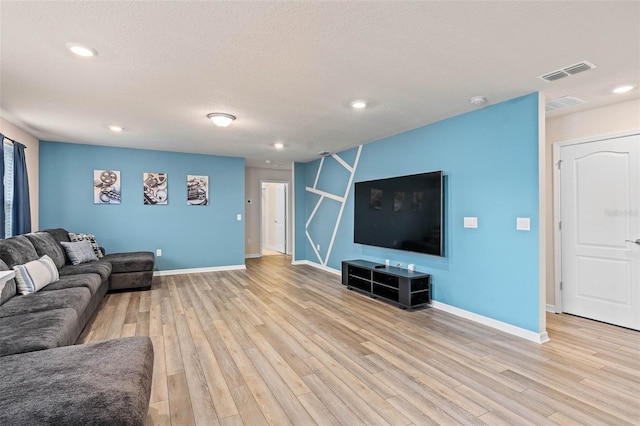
[154,186]
[197,190]
[106,187]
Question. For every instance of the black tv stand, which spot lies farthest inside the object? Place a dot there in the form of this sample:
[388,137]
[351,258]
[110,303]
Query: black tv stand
[401,287]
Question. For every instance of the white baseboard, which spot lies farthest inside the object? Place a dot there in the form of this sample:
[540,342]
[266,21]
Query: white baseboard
[252,255]
[197,270]
[499,325]
[551,308]
[316,265]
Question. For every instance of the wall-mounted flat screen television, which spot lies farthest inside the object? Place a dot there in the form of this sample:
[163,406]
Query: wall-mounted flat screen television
[402,213]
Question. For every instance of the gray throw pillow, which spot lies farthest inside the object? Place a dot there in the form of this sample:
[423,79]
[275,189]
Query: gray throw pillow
[79,251]
[90,237]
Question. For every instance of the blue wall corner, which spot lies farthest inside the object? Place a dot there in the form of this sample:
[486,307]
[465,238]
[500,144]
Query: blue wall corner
[189,236]
[490,161]
[300,211]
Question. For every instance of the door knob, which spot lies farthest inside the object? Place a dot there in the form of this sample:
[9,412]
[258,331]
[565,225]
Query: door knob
[635,242]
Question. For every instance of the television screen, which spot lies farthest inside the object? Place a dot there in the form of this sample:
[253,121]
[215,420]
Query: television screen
[402,213]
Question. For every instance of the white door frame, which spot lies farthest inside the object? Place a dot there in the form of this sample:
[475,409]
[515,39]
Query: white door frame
[287,215]
[557,210]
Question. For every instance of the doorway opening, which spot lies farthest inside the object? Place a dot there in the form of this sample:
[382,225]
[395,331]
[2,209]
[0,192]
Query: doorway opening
[274,209]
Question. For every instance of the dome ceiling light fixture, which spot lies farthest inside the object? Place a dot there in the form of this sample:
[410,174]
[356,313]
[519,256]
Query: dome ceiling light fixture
[358,104]
[221,119]
[624,89]
[81,50]
[477,100]
[278,145]
[116,129]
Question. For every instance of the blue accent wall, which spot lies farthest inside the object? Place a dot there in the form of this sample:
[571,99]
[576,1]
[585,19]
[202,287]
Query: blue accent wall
[189,236]
[490,161]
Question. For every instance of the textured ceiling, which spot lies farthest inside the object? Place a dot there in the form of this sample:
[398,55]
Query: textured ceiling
[288,70]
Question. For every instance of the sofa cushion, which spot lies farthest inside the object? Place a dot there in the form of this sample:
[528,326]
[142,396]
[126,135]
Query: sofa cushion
[99,267]
[7,288]
[87,237]
[34,275]
[105,383]
[79,252]
[37,331]
[17,250]
[44,243]
[74,298]
[89,281]
[58,234]
[135,261]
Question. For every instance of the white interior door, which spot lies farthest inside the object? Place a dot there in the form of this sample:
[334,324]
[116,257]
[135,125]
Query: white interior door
[600,211]
[280,217]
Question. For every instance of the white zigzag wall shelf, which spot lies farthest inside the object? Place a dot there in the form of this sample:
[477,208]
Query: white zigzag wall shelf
[324,195]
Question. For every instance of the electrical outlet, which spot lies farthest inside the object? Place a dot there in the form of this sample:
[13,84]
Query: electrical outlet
[159,252]
[386,262]
[318,247]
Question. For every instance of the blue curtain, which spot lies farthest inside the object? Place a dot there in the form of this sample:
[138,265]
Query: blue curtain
[21,206]
[2,192]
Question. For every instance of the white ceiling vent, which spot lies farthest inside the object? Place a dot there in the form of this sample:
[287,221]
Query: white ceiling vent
[567,71]
[562,103]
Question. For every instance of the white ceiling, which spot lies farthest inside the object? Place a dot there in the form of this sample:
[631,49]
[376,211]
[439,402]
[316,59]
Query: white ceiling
[288,70]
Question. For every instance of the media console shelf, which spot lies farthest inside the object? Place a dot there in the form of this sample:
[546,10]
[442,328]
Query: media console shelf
[401,287]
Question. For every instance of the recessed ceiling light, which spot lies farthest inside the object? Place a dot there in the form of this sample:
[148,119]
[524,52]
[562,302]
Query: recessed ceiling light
[624,89]
[278,145]
[115,128]
[267,161]
[81,50]
[221,119]
[477,100]
[358,104]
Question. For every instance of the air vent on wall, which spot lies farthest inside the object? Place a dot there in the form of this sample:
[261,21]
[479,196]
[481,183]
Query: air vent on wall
[567,71]
[562,103]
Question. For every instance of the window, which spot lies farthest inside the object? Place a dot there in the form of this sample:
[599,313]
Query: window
[8,188]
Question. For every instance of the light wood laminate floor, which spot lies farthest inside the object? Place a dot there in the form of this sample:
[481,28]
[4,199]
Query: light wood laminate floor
[281,344]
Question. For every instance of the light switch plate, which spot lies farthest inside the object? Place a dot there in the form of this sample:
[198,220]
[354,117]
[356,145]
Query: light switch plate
[523,224]
[470,222]
[238,217]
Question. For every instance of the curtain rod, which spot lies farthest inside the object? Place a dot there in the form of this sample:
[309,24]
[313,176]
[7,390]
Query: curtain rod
[13,141]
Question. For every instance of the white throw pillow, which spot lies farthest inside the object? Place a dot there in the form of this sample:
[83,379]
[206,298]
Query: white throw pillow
[35,275]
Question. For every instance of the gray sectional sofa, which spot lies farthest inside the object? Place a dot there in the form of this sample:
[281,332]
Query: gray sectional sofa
[44,378]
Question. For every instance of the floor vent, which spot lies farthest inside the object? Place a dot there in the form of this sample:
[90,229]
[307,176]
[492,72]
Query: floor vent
[567,71]
[562,103]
